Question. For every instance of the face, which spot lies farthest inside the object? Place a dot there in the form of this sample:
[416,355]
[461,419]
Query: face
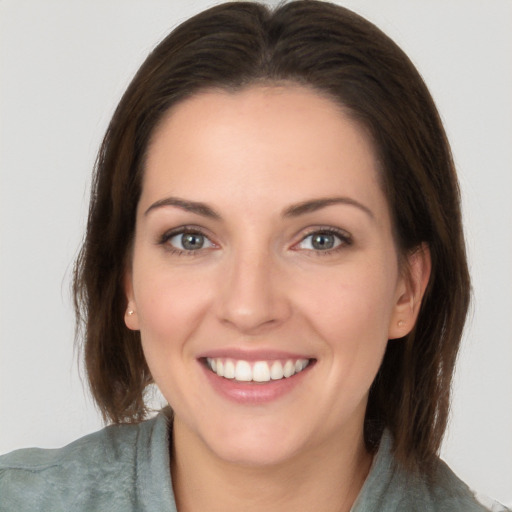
[264,278]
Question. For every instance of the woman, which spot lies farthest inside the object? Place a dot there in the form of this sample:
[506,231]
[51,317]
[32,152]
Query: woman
[274,238]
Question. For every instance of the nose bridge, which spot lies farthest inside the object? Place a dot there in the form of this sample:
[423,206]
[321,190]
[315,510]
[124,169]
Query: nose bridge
[251,296]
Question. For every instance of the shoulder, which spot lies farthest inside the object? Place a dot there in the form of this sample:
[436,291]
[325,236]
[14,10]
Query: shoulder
[96,472]
[390,488]
[447,492]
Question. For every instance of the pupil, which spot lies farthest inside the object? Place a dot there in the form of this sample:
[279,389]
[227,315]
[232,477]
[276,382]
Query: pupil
[192,241]
[323,241]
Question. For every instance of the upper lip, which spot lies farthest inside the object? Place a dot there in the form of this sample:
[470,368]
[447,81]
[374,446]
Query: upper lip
[252,355]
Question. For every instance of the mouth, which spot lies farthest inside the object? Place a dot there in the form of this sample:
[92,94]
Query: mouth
[262,371]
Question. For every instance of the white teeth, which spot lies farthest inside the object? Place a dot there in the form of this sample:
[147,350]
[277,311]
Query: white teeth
[229,369]
[289,369]
[243,371]
[259,371]
[276,371]
[299,365]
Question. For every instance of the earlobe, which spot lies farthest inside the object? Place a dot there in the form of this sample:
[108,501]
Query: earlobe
[410,292]
[131,318]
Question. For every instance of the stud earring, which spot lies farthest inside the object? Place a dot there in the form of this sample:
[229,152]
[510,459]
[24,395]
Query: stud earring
[130,313]
[401,323]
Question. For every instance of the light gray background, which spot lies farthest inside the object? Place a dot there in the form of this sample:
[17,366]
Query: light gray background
[64,65]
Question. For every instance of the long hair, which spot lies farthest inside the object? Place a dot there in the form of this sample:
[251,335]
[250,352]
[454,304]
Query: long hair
[339,54]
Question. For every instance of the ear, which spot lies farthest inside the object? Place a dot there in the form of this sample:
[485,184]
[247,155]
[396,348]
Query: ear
[410,291]
[131,318]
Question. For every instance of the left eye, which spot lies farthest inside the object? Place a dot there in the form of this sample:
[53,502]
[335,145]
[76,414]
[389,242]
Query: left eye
[190,241]
[321,241]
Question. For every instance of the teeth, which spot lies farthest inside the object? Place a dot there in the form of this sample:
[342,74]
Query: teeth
[243,371]
[276,371]
[259,371]
[299,365]
[229,369]
[289,369]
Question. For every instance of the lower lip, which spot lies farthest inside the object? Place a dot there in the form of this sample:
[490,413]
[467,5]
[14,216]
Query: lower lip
[254,392]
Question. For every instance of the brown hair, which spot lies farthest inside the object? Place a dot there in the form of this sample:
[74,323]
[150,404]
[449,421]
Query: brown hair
[337,53]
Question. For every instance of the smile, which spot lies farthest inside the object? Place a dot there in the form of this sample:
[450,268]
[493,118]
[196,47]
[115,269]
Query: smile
[256,371]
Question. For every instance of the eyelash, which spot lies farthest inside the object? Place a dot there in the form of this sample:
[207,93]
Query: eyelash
[189,230]
[344,238]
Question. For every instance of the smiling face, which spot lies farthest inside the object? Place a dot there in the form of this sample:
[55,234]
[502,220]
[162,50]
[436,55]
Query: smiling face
[264,278]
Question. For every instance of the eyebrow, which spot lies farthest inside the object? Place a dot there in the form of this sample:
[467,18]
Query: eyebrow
[292,211]
[317,204]
[189,206]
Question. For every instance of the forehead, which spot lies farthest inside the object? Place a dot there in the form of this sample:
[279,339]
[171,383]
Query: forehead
[288,139]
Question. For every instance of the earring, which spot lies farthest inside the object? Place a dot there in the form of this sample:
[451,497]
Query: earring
[131,312]
[401,323]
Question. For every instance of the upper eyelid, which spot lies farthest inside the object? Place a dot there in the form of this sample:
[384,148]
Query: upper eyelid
[345,238]
[342,233]
[189,228]
[170,233]
[163,240]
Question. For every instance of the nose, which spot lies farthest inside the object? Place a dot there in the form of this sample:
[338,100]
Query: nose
[253,294]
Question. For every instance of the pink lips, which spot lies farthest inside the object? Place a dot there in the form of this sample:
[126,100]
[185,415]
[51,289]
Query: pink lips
[249,391]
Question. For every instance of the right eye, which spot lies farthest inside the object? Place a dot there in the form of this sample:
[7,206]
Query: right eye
[186,241]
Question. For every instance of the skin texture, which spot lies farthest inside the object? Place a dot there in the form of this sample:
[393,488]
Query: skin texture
[259,285]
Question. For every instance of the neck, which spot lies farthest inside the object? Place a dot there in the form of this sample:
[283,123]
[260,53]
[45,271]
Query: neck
[326,478]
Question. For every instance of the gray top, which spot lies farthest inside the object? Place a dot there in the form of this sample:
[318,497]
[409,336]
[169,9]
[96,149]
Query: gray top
[126,468]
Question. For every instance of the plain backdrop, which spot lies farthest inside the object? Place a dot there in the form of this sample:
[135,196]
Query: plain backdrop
[63,67]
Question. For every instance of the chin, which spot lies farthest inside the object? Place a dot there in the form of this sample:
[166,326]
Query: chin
[254,447]
[257,454]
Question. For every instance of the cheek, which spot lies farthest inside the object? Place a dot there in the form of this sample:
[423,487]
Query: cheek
[169,304]
[351,313]
[351,301]
[170,307]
